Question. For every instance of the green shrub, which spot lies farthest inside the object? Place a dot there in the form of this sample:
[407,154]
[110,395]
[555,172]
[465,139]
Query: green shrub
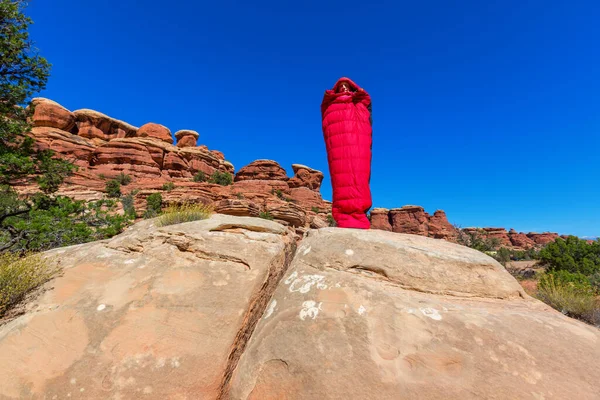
[315,209]
[265,215]
[21,275]
[102,176]
[505,255]
[278,193]
[221,178]
[60,221]
[331,221]
[199,177]
[478,240]
[177,214]
[576,279]
[595,281]
[128,206]
[113,188]
[572,254]
[570,298]
[123,179]
[153,205]
[239,195]
[168,186]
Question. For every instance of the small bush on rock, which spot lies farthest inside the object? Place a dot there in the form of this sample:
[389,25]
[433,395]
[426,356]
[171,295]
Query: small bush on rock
[113,188]
[177,214]
[221,178]
[153,205]
[199,177]
[123,179]
[265,215]
[168,186]
[331,221]
[21,275]
[569,295]
[128,206]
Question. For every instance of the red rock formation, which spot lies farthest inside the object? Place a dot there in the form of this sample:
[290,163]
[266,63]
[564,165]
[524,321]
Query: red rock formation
[306,177]
[48,113]
[440,228]
[262,170]
[410,219]
[104,147]
[413,220]
[542,238]
[94,125]
[238,207]
[156,131]
[520,240]
[218,154]
[287,212]
[186,138]
[500,234]
[380,219]
[74,148]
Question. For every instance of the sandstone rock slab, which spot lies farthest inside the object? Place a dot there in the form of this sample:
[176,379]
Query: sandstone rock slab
[376,315]
[157,313]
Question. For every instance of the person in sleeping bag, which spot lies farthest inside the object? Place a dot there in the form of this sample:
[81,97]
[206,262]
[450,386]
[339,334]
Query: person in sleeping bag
[347,129]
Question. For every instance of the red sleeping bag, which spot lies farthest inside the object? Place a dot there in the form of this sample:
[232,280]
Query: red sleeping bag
[348,138]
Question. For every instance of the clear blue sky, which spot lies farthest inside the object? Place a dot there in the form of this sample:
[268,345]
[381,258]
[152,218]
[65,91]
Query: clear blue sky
[489,110]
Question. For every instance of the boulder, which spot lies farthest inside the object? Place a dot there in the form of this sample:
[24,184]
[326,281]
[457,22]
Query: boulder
[156,131]
[262,170]
[306,177]
[186,138]
[377,315]
[288,212]
[239,207]
[410,219]
[380,219]
[94,125]
[155,313]
[48,113]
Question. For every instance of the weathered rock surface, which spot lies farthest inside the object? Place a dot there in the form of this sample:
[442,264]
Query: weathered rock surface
[414,220]
[50,114]
[520,240]
[440,228]
[156,313]
[104,147]
[306,177]
[238,207]
[543,238]
[75,148]
[227,309]
[380,219]
[377,315]
[186,138]
[156,131]
[262,170]
[94,125]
